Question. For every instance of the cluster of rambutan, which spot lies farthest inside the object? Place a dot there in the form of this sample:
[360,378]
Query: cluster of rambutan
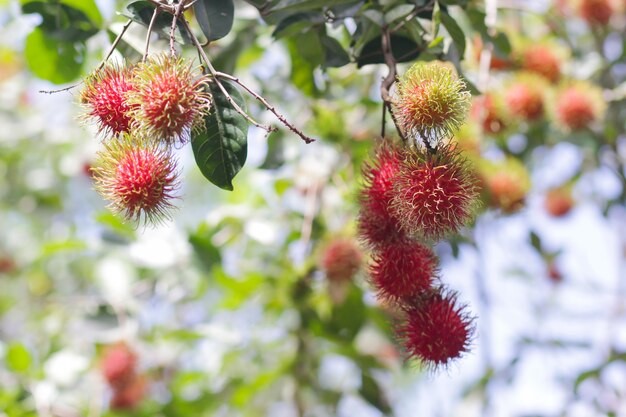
[119,368]
[414,195]
[142,111]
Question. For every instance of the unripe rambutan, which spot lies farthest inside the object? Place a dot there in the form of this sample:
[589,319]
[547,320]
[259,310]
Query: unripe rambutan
[376,225]
[431,101]
[169,99]
[434,193]
[341,260]
[403,272]
[130,395]
[558,202]
[578,105]
[524,97]
[137,176]
[595,12]
[543,60]
[118,365]
[105,98]
[489,112]
[437,330]
[506,183]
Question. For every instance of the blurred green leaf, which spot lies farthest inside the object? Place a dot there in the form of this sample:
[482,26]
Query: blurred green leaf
[18,358]
[53,60]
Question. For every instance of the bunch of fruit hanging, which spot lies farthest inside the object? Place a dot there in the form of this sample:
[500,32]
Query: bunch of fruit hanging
[418,191]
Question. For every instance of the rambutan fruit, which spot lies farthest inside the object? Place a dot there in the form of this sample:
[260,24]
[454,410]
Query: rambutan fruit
[525,97]
[497,62]
[105,99]
[578,105]
[137,176]
[403,271]
[118,365]
[542,59]
[341,259]
[430,101]
[130,395]
[434,193]
[595,12]
[169,99]
[489,111]
[376,225]
[506,183]
[437,330]
[558,202]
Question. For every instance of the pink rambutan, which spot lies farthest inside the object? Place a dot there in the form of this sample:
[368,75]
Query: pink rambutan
[437,330]
[169,99]
[542,60]
[431,101]
[525,100]
[105,98]
[403,271]
[118,365]
[577,106]
[376,225]
[341,260]
[137,176]
[130,395]
[434,193]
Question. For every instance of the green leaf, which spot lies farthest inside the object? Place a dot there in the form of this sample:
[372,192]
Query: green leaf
[348,317]
[215,17]
[222,148]
[141,11]
[334,54]
[373,394]
[56,61]
[203,246]
[18,358]
[62,22]
[403,49]
[455,31]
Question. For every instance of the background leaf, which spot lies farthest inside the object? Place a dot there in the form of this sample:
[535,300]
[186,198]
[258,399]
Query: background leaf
[215,17]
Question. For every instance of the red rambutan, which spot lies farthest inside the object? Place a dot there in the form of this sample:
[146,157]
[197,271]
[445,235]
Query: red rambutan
[437,330]
[402,272]
[130,395]
[596,12]
[376,225]
[169,99]
[558,202]
[486,111]
[542,60]
[137,176]
[434,193]
[105,98]
[341,260]
[118,365]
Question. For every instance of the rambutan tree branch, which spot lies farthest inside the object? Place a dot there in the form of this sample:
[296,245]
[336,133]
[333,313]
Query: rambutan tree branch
[156,13]
[177,13]
[389,80]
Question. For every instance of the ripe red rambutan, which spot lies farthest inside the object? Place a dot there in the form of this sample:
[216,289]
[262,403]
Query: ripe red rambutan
[118,365]
[437,330]
[376,225]
[489,113]
[403,272]
[341,260]
[105,98]
[558,202]
[169,99]
[130,395]
[596,12]
[137,176]
[577,107]
[542,60]
[525,100]
[431,101]
[435,193]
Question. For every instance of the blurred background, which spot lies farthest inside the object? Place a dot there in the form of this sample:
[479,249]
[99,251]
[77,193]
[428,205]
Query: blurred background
[256,302]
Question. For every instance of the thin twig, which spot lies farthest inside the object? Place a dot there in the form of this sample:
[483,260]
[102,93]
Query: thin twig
[177,13]
[283,120]
[232,102]
[157,11]
[106,58]
[390,79]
